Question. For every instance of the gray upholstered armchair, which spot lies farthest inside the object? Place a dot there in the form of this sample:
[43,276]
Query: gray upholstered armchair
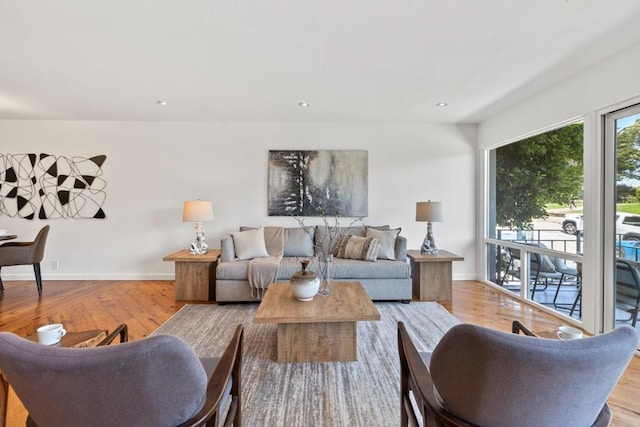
[156,381]
[482,377]
[25,253]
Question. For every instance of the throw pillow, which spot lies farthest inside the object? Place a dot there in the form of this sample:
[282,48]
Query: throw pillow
[328,238]
[250,244]
[387,241]
[273,239]
[362,248]
[299,241]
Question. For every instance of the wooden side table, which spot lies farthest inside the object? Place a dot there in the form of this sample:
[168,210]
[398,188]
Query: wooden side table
[431,274]
[195,275]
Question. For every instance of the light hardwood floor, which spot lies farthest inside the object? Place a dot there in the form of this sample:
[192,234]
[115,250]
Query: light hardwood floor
[145,305]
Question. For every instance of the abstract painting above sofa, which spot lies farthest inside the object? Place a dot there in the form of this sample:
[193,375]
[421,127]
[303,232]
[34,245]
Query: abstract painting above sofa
[318,183]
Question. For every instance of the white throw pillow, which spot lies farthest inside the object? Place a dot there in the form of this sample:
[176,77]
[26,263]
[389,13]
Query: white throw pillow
[387,241]
[250,244]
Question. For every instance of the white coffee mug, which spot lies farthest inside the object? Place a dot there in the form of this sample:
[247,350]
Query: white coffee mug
[51,334]
[569,333]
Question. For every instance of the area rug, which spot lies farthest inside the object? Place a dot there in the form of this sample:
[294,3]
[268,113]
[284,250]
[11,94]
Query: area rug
[361,393]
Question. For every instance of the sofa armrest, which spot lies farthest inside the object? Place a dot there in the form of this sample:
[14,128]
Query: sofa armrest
[401,248]
[227,250]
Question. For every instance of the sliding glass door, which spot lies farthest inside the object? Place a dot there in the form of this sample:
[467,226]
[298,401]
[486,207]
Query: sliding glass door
[622,216]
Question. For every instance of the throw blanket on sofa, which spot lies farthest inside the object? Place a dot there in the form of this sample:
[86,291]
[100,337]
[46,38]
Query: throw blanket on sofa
[262,271]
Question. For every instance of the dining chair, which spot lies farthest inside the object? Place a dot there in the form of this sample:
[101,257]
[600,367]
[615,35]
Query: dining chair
[25,253]
[482,377]
[155,381]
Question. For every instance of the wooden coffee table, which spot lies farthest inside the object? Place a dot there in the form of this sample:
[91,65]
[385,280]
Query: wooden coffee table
[321,330]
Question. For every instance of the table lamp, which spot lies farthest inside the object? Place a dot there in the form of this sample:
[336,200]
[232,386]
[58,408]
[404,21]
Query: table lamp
[198,211]
[429,212]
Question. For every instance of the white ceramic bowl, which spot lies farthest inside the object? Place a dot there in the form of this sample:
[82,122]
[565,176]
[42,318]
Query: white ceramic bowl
[569,333]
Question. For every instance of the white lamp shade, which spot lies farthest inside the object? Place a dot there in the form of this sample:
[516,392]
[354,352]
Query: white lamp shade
[429,211]
[197,210]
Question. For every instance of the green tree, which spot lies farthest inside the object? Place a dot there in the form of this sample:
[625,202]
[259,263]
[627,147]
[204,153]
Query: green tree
[628,152]
[530,173]
[625,193]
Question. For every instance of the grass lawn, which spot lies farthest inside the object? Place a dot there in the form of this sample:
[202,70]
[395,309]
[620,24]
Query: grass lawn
[633,208]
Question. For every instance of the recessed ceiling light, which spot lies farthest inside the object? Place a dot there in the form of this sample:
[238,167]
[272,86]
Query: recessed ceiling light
[441,104]
[163,103]
[303,104]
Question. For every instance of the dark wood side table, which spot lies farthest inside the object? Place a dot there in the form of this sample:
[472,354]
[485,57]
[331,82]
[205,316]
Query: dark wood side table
[431,274]
[195,275]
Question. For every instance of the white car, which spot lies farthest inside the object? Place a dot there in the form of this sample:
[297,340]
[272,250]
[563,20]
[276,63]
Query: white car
[627,225]
[572,223]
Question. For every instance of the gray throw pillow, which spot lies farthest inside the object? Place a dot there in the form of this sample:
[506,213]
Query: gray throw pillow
[387,241]
[299,241]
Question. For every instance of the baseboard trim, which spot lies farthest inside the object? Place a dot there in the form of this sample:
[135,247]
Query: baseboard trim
[100,276]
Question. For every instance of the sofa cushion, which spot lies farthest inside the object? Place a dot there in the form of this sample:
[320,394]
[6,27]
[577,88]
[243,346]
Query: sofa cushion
[236,270]
[341,269]
[387,240]
[349,269]
[299,241]
[362,248]
[249,244]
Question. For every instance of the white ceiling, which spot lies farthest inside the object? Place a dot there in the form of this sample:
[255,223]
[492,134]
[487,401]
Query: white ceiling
[255,60]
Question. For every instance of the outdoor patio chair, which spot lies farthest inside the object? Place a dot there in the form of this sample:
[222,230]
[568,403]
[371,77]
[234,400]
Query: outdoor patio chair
[155,381]
[543,270]
[574,276]
[628,288]
[526,381]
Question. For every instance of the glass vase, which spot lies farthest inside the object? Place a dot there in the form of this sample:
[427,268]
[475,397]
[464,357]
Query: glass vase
[325,264]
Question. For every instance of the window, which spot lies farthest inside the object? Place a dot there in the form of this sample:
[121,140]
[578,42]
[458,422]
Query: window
[534,218]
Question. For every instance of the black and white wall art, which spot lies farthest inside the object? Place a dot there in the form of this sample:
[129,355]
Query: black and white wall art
[318,183]
[51,186]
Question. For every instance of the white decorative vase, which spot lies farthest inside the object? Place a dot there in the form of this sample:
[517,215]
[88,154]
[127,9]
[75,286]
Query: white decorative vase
[305,283]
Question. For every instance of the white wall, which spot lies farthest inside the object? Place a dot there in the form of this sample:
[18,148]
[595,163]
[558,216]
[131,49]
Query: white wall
[152,167]
[608,83]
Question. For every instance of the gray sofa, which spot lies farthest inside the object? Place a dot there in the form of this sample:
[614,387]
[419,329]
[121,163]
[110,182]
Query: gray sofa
[383,279]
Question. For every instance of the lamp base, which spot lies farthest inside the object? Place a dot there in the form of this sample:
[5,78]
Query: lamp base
[199,245]
[428,251]
[198,248]
[429,244]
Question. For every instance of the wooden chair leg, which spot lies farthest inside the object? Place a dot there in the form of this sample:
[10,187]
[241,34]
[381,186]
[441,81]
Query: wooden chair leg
[4,398]
[634,312]
[36,270]
[1,285]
